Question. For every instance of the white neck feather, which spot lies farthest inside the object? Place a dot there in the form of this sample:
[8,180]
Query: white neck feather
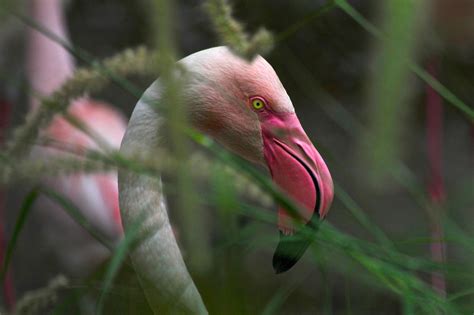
[158,261]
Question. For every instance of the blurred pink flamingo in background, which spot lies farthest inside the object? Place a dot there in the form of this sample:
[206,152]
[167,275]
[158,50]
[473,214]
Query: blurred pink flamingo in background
[96,195]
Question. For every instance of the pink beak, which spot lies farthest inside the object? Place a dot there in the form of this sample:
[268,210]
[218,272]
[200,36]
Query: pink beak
[299,170]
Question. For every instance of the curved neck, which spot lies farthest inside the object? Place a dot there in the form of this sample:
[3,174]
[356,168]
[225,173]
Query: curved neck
[157,259]
[48,64]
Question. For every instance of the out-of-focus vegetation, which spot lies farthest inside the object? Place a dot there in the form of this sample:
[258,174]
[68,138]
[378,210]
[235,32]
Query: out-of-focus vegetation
[355,72]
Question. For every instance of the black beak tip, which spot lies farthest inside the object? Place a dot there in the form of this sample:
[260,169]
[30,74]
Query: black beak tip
[282,263]
[288,252]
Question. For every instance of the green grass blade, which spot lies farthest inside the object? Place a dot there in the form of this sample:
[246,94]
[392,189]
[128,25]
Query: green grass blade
[75,213]
[118,258]
[25,210]
[281,296]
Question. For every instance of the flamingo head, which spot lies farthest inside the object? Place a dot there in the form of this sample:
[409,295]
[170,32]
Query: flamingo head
[245,107]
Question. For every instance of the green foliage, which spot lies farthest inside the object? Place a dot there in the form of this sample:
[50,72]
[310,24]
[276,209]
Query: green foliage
[390,89]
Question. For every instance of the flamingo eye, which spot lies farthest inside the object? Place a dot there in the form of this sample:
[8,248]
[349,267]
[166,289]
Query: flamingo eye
[258,103]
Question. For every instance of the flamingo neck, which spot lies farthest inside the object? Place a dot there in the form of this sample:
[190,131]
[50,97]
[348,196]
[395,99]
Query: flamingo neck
[158,260]
[48,64]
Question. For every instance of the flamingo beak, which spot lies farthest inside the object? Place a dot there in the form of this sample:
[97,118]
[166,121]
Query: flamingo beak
[299,170]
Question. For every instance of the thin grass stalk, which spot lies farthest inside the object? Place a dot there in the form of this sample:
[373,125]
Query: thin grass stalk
[23,215]
[224,193]
[231,32]
[193,225]
[435,186]
[390,87]
[119,257]
[281,295]
[40,300]
[8,288]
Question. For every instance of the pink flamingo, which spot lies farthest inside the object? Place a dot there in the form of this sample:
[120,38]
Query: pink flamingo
[244,107]
[48,66]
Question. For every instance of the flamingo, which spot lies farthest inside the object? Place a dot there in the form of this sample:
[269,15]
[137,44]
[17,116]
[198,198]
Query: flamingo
[48,66]
[244,107]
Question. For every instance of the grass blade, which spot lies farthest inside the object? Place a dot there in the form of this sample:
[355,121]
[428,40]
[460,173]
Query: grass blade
[75,213]
[118,258]
[25,210]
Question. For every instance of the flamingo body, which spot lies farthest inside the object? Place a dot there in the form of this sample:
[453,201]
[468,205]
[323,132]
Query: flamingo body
[96,195]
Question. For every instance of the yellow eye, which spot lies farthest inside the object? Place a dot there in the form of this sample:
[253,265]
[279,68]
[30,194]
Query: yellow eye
[258,103]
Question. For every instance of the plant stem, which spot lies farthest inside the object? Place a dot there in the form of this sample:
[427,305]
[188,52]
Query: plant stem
[7,285]
[436,189]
